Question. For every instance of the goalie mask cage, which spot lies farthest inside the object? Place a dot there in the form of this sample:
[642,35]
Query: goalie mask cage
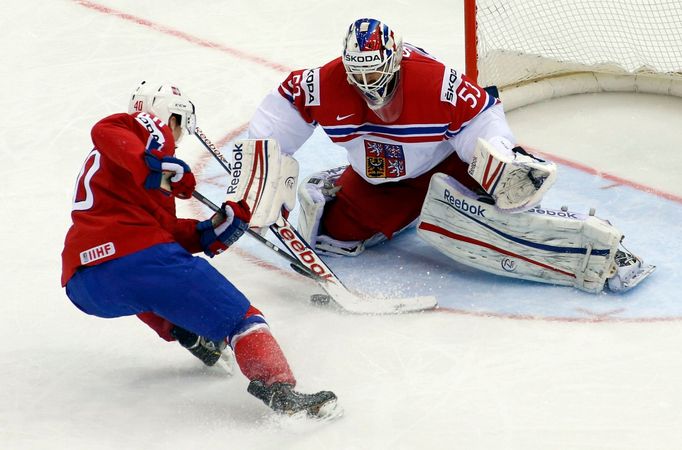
[534,50]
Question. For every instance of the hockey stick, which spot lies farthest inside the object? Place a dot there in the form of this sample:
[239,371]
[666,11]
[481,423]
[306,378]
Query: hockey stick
[308,261]
[338,292]
[213,150]
[298,267]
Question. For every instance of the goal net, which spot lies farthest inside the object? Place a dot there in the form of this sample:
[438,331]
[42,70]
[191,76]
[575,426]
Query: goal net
[543,49]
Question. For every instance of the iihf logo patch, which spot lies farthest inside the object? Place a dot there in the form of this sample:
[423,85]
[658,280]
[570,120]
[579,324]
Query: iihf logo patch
[96,253]
[384,160]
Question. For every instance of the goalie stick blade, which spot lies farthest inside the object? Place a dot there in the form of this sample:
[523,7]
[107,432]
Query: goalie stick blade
[357,304]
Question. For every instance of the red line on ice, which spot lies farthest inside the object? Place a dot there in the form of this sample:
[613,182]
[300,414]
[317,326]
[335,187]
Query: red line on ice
[182,35]
[607,176]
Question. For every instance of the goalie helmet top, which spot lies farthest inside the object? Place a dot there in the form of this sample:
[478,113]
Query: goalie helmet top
[371,56]
[164,101]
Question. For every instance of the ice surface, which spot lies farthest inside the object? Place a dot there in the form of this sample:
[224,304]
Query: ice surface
[504,364]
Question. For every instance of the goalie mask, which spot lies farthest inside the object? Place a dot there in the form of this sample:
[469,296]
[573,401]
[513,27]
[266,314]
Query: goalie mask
[164,101]
[371,56]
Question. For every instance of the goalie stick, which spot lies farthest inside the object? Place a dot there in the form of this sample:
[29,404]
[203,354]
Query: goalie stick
[339,293]
[307,262]
[298,267]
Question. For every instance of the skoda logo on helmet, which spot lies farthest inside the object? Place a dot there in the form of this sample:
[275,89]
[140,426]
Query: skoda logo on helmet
[362,58]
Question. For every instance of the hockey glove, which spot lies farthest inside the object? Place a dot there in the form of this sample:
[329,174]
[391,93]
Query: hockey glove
[514,178]
[224,227]
[170,175]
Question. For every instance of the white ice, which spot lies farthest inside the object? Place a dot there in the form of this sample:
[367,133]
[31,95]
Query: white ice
[503,365]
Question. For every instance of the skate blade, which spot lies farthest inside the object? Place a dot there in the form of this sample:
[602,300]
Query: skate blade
[226,363]
[328,412]
[638,277]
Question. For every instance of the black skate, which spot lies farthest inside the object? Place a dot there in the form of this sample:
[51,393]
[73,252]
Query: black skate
[207,351]
[282,398]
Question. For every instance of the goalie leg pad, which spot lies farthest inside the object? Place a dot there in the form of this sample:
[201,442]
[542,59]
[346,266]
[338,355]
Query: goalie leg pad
[313,193]
[549,246]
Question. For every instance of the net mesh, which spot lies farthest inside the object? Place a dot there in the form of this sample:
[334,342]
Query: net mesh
[523,40]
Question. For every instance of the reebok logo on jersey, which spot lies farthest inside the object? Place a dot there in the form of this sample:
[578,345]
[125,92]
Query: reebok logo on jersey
[344,117]
[96,253]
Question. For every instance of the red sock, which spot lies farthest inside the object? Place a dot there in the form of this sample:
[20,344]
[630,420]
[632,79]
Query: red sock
[260,358]
[159,324]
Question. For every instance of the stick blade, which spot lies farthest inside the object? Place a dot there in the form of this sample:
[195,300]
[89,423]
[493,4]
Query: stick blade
[356,304]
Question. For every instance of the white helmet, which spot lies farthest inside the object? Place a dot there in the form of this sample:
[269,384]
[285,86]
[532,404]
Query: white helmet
[371,47]
[164,101]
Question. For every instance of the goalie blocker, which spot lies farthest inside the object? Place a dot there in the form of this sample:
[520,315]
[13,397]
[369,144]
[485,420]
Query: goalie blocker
[550,246]
[264,178]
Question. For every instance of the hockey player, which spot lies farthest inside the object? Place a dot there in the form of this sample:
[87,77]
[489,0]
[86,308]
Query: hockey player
[403,117]
[127,253]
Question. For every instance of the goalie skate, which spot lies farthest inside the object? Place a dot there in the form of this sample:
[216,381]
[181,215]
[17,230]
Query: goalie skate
[630,271]
[282,398]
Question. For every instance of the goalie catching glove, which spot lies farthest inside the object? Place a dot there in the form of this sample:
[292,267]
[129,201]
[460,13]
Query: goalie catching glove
[224,227]
[514,178]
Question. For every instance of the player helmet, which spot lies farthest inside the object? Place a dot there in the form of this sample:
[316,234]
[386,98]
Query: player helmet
[164,101]
[371,56]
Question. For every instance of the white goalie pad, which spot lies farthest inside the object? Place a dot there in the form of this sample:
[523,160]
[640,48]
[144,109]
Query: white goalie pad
[264,177]
[550,246]
[313,193]
[515,179]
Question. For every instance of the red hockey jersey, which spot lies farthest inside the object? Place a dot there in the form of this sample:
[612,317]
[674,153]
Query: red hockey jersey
[113,214]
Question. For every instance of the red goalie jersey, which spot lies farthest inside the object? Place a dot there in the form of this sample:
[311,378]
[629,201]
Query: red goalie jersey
[437,105]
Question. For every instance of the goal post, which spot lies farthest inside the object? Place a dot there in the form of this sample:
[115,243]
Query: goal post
[534,50]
